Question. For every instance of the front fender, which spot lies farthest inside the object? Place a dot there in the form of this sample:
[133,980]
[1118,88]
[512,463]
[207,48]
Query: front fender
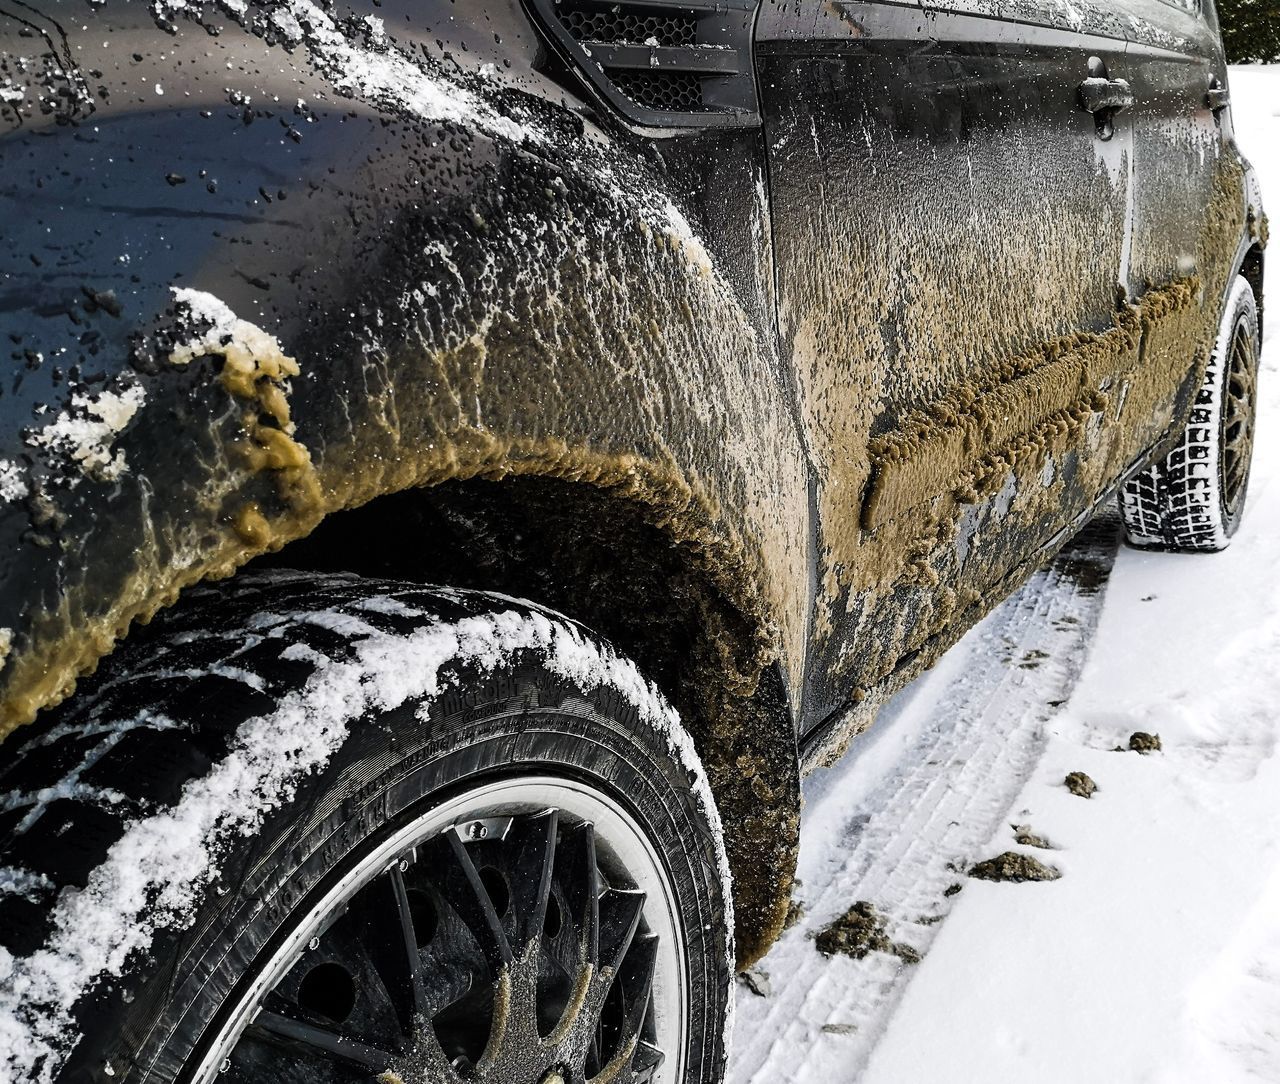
[263,265]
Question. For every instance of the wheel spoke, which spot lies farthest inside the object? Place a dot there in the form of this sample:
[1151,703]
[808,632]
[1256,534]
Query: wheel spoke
[620,911]
[410,941]
[636,975]
[459,883]
[647,1061]
[580,881]
[272,1026]
[636,979]
[533,841]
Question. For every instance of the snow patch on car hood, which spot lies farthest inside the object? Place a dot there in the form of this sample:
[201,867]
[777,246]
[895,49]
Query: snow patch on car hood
[155,874]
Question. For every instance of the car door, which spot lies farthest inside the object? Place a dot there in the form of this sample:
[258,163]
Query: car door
[1179,84]
[1188,190]
[951,228]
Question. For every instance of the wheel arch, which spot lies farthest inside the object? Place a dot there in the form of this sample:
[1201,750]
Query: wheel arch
[630,563]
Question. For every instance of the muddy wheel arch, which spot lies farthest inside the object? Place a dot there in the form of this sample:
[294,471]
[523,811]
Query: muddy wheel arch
[398,306]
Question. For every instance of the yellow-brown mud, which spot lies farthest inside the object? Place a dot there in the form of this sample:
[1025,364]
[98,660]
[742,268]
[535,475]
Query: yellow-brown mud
[1136,381]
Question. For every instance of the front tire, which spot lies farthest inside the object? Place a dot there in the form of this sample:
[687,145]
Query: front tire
[327,829]
[1193,500]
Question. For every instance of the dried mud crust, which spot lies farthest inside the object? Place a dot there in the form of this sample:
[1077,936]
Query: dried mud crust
[231,754]
[1012,866]
[860,930]
[1185,502]
[1142,742]
[1080,784]
[961,499]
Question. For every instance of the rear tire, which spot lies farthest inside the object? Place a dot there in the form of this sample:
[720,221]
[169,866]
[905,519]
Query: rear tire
[1193,500]
[319,828]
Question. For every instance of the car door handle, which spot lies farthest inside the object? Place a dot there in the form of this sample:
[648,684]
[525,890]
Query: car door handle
[1104,98]
[1100,95]
[1217,97]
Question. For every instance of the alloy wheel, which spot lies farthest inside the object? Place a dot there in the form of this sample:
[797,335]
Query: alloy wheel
[523,934]
[1238,412]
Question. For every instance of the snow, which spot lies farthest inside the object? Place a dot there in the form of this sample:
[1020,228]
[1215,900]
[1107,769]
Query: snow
[1156,957]
[21,882]
[373,69]
[154,875]
[12,485]
[226,331]
[85,431]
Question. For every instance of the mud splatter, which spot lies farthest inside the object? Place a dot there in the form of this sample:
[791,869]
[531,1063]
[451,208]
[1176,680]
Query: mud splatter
[1015,867]
[1080,785]
[859,931]
[1142,742]
[943,560]
[1025,837]
[256,371]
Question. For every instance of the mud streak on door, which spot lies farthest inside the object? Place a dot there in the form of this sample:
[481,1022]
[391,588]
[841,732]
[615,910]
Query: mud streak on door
[948,227]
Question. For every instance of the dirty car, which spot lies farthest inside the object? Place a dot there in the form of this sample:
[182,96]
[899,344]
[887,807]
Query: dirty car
[461,464]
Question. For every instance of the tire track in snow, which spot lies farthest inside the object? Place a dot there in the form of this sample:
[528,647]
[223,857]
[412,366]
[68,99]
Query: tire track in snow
[899,820]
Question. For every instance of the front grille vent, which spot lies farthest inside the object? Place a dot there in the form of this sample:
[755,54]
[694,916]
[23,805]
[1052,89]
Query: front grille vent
[631,28]
[664,92]
[660,63]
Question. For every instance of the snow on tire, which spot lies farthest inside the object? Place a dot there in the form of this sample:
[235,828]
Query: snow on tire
[1194,498]
[335,826]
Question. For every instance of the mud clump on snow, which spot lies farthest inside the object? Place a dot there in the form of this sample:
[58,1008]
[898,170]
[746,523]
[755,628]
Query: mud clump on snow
[1012,866]
[1025,837]
[1141,742]
[757,981]
[861,930]
[1080,784]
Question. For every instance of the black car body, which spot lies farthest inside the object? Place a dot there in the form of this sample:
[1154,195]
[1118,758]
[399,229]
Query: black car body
[777,342]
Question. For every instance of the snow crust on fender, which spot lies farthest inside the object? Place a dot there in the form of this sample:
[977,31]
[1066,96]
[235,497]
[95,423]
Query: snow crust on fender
[153,876]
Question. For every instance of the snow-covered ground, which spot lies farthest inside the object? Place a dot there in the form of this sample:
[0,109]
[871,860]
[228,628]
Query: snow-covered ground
[1156,956]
